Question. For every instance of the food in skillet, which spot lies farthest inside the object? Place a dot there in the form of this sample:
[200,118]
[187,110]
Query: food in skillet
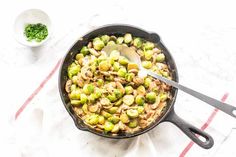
[106,91]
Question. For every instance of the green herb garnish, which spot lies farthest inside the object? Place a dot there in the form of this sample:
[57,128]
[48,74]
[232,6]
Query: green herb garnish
[37,32]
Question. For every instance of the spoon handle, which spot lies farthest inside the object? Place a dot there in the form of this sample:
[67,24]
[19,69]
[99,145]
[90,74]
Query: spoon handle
[229,109]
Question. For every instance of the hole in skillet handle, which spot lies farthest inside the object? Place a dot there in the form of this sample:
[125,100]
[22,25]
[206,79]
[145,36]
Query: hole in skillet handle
[198,136]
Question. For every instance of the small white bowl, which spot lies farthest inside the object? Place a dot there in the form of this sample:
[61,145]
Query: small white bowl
[32,16]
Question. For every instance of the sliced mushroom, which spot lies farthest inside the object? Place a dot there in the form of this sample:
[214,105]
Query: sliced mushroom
[68,85]
[140,52]
[113,72]
[121,80]
[122,108]
[165,86]
[138,80]
[105,73]
[161,66]
[150,114]
[80,80]
[79,112]
[94,108]
[135,71]
[100,126]
[90,45]
[152,86]
[143,123]
[120,87]
[160,108]
[122,126]
[154,58]
[94,52]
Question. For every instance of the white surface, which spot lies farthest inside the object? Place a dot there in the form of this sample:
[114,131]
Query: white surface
[31,16]
[201,36]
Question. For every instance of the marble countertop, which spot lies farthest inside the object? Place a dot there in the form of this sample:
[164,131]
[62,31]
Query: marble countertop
[200,35]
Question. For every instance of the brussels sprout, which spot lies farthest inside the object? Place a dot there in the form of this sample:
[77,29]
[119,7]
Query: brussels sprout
[141,90]
[85,108]
[148,54]
[88,89]
[123,60]
[108,126]
[98,93]
[138,42]
[119,102]
[75,102]
[113,38]
[79,56]
[116,128]
[124,118]
[140,109]
[129,90]
[147,64]
[147,82]
[73,87]
[122,72]
[120,40]
[111,43]
[128,99]
[132,66]
[109,78]
[148,46]
[163,96]
[112,97]
[115,55]
[105,101]
[164,73]
[75,94]
[92,98]
[92,119]
[151,97]
[83,98]
[74,79]
[101,120]
[105,38]
[105,114]
[73,69]
[160,57]
[84,50]
[114,119]
[133,123]
[129,77]
[118,93]
[113,110]
[104,66]
[132,113]
[116,66]
[127,38]
[139,100]
[98,44]
[100,82]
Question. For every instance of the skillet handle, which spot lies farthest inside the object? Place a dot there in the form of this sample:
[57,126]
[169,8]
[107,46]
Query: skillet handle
[192,132]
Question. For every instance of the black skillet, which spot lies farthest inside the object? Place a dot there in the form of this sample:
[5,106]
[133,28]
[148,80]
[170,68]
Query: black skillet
[169,114]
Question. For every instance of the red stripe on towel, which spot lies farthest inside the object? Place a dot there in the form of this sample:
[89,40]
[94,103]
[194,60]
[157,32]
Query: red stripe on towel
[204,126]
[30,98]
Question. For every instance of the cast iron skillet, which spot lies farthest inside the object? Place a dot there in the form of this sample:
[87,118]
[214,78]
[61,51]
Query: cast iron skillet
[169,114]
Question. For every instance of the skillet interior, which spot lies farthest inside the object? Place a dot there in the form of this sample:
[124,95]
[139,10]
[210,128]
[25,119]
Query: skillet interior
[114,30]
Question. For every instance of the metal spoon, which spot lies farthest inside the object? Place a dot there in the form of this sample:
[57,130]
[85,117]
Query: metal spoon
[130,54]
